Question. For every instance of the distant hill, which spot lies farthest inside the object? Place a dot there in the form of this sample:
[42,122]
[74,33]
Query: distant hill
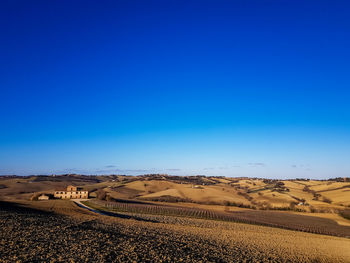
[298,195]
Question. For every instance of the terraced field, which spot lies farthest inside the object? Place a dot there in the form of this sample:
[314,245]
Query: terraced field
[267,218]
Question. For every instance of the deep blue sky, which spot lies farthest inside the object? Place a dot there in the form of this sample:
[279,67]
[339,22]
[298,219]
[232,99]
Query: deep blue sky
[235,88]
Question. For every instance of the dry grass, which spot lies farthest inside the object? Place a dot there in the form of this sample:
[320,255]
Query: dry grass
[210,190]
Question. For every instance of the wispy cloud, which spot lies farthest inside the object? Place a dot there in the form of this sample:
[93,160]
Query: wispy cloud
[110,166]
[306,167]
[257,164]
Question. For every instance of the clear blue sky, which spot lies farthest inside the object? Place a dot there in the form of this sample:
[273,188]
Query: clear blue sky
[234,88]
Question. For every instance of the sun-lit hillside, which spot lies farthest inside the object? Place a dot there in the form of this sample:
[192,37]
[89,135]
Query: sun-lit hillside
[295,195]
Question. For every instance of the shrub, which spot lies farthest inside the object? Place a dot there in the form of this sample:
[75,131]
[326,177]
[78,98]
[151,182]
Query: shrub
[293,204]
[345,214]
[110,198]
[327,200]
[306,189]
[101,194]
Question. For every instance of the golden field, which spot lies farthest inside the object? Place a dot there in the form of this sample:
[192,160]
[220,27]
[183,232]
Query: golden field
[299,195]
[160,218]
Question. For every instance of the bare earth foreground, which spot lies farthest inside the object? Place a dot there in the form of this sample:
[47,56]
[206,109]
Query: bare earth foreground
[60,231]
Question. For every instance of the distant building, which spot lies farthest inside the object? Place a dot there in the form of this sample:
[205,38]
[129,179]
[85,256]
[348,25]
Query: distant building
[72,192]
[43,197]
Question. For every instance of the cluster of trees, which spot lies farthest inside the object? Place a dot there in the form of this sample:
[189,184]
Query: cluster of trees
[316,195]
